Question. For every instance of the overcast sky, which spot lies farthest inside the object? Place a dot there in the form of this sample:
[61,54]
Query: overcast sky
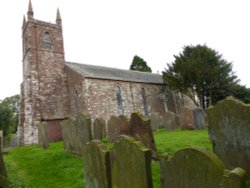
[111,32]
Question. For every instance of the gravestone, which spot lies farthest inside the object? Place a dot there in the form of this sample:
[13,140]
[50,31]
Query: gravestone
[170,121]
[70,136]
[130,164]
[141,130]
[43,135]
[83,122]
[186,118]
[199,118]
[117,126]
[99,129]
[229,131]
[157,122]
[97,165]
[198,168]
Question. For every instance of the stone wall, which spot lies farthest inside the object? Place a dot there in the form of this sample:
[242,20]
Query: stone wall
[90,92]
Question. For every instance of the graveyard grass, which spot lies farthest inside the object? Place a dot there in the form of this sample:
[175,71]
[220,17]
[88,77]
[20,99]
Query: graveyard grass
[33,167]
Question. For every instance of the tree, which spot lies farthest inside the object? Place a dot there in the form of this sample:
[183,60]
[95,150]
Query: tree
[139,64]
[9,110]
[202,72]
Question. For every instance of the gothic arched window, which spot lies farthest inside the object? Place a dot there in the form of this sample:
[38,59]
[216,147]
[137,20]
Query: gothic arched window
[119,100]
[47,41]
[144,99]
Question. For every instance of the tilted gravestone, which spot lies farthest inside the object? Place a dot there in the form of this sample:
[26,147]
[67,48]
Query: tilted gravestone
[170,121]
[186,118]
[97,165]
[229,131]
[117,126]
[130,164]
[198,168]
[43,135]
[98,129]
[199,118]
[141,130]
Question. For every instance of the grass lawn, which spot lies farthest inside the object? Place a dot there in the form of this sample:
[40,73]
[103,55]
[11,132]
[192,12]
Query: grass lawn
[33,167]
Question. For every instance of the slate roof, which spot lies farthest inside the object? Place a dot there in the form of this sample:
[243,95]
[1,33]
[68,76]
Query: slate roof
[91,71]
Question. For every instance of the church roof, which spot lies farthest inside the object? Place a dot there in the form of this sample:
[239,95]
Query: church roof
[91,71]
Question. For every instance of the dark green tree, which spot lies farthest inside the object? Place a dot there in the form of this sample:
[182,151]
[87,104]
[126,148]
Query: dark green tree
[9,111]
[202,72]
[139,64]
[240,92]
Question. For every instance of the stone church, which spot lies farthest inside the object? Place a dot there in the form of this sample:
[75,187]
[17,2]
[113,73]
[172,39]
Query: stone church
[54,89]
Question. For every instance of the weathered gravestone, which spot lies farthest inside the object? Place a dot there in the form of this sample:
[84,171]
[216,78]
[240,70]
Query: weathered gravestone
[76,133]
[198,168]
[117,126]
[97,165]
[199,118]
[130,164]
[171,121]
[141,130]
[186,118]
[43,135]
[157,122]
[83,122]
[229,131]
[98,129]
[70,136]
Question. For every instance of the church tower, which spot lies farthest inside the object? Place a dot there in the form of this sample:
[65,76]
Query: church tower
[43,89]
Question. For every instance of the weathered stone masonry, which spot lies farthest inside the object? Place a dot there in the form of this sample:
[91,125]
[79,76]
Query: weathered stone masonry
[54,90]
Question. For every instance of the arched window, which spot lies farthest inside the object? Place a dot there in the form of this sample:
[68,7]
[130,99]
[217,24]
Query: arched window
[47,41]
[119,100]
[144,99]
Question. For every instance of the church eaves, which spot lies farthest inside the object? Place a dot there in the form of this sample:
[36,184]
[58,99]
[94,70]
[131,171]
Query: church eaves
[91,71]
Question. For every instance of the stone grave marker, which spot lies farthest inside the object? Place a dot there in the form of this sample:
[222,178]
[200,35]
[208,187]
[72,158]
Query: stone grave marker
[130,164]
[141,130]
[43,135]
[199,118]
[99,129]
[198,168]
[229,131]
[97,172]
[170,121]
[186,118]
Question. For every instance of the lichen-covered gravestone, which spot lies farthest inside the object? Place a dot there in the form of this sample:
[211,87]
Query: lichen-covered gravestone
[186,118]
[229,131]
[141,130]
[98,129]
[117,126]
[198,168]
[76,133]
[130,164]
[43,135]
[156,122]
[97,165]
[199,118]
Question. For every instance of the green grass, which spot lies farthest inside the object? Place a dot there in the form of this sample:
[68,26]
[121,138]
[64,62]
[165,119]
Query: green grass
[170,142]
[33,167]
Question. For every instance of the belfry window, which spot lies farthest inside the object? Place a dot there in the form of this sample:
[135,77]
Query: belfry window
[47,41]
[119,100]
[144,99]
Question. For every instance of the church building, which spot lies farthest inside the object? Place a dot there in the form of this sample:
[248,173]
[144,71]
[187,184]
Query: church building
[54,89]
